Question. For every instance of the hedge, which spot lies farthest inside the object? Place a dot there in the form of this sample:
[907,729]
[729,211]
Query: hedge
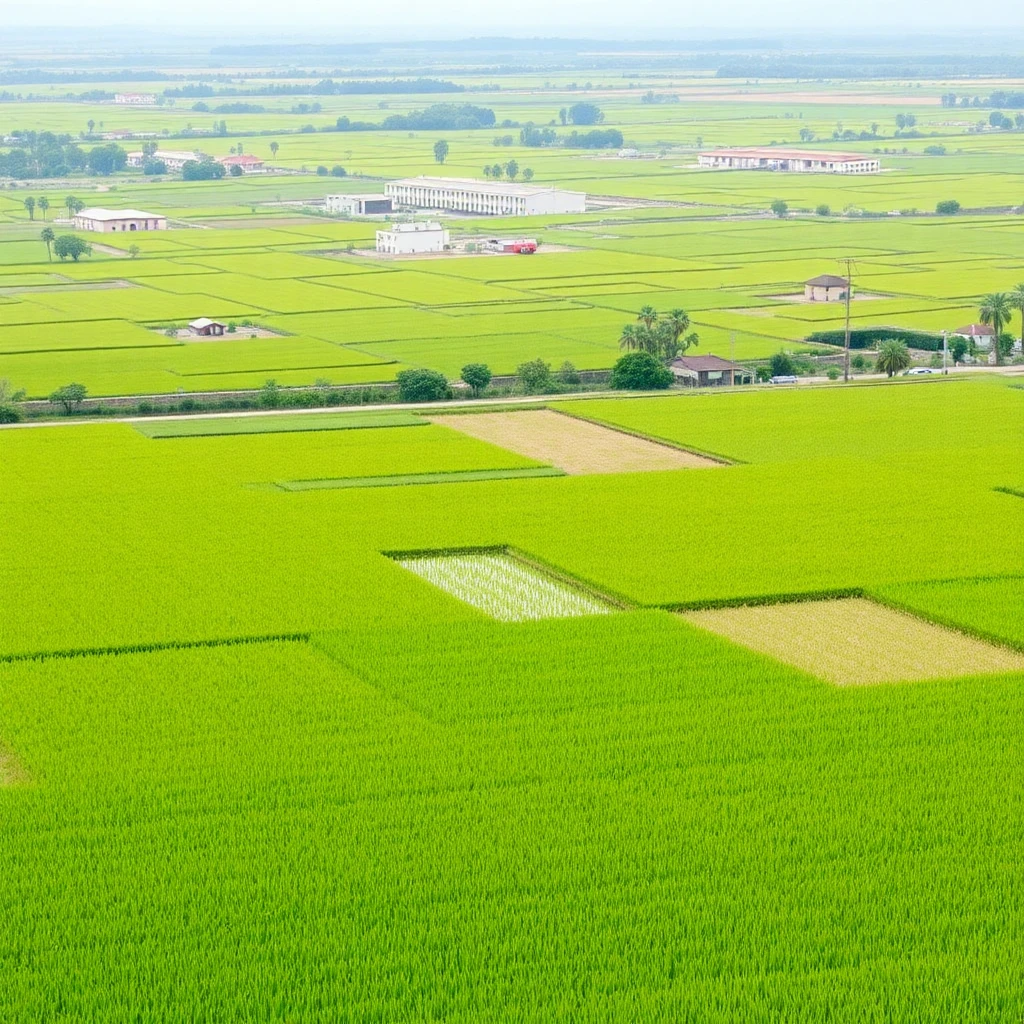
[865,337]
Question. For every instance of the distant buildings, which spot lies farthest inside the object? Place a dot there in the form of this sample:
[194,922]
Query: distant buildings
[775,158]
[495,199]
[826,288]
[174,160]
[359,205]
[135,99]
[980,334]
[247,162]
[95,218]
[408,239]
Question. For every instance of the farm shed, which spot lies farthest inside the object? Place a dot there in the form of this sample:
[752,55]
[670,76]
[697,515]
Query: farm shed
[775,158]
[95,218]
[359,206]
[825,288]
[206,328]
[709,371]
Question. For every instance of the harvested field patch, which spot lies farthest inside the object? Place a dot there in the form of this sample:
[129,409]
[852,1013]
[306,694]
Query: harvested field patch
[854,641]
[12,772]
[574,445]
[503,586]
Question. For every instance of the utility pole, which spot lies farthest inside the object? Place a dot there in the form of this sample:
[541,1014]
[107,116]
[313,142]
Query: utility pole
[849,291]
[945,349]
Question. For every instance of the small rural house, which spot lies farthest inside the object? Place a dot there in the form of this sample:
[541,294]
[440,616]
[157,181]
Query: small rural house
[980,334]
[206,328]
[407,239]
[709,371]
[826,288]
[173,159]
[246,161]
[95,218]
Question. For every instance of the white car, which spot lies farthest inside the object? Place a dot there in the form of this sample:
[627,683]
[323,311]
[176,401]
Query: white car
[917,371]
[785,379]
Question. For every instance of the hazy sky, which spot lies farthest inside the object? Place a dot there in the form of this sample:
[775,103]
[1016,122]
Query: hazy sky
[431,19]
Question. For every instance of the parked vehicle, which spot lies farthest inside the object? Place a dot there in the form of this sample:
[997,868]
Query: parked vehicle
[917,371]
[784,379]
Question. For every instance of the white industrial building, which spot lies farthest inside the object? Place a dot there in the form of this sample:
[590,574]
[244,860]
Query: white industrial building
[175,160]
[95,218]
[497,198]
[775,158]
[135,99]
[409,239]
[359,205]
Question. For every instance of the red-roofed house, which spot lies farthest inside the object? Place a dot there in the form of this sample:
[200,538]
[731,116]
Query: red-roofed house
[246,161]
[709,371]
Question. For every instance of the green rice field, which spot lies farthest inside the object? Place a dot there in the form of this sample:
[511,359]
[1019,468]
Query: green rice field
[351,716]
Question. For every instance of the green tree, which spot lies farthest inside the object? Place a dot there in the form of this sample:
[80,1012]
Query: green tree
[30,205]
[1017,301]
[947,207]
[422,386]
[274,147]
[270,395]
[73,204]
[958,349]
[640,371]
[71,245]
[648,315]
[585,114]
[995,311]
[44,204]
[9,399]
[496,172]
[823,210]
[440,151]
[630,338]
[477,376]
[535,377]
[107,159]
[511,170]
[236,171]
[781,364]
[779,207]
[568,375]
[133,251]
[527,174]
[47,236]
[893,356]
[69,397]
[90,124]
[563,115]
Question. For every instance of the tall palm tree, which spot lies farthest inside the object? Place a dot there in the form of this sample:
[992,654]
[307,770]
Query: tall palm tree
[630,337]
[48,237]
[1017,300]
[647,316]
[995,312]
[43,204]
[678,321]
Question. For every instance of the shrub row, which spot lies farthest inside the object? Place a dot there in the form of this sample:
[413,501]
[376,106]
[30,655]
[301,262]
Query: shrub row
[865,337]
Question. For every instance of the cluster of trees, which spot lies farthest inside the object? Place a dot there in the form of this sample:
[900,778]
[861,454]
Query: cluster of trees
[509,170]
[65,246]
[1009,100]
[598,138]
[46,155]
[904,121]
[202,170]
[231,108]
[325,87]
[663,337]
[31,204]
[437,117]
[996,311]
[659,97]
[997,119]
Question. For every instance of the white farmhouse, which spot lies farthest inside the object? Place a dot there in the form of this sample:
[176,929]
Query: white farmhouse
[95,218]
[409,239]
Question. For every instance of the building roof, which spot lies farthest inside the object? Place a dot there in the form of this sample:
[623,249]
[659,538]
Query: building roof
[699,364]
[99,213]
[242,159]
[375,196]
[501,188]
[975,331]
[403,228]
[781,153]
[168,154]
[827,281]
[205,321]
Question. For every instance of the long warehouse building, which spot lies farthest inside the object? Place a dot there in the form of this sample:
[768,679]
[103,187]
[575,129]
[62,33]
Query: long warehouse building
[466,195]
[775,158]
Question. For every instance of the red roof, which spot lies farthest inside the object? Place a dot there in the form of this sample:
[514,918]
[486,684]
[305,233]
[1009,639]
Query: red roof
[700,363]
[243,160]
[975,331]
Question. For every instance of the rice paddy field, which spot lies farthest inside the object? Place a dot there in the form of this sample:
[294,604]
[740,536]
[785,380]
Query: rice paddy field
[699,707]
[660,231]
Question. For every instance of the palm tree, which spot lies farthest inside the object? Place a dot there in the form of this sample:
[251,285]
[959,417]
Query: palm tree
[48,236]
[630,337]
[30,205]
[647,316]
[995,311]
[678,321]
[893,356]
[44,205]
[1017,301]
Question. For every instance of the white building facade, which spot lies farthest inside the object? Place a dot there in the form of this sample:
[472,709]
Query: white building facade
[410,239]
[174,159]
[135,99]
[775,158]
[359,205]
[496,199]
[95,218]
